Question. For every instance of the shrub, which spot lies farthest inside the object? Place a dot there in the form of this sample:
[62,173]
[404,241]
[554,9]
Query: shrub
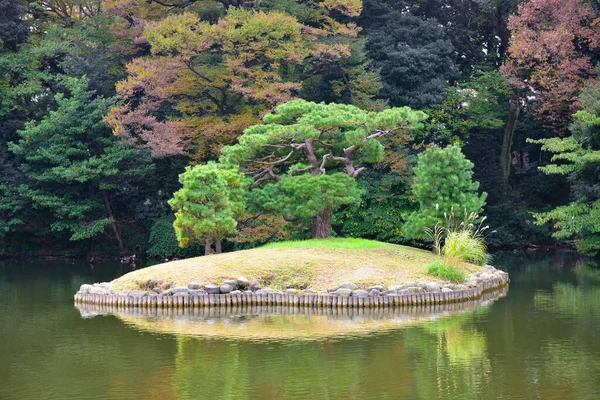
[466,246]
[163,241]
[438,268]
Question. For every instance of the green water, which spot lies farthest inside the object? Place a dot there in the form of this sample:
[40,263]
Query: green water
[540,341]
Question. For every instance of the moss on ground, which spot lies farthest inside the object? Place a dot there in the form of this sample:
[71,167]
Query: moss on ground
[314,264]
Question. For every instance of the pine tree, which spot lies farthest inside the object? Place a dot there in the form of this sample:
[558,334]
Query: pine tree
[443,186]
[306,156]
[208,205]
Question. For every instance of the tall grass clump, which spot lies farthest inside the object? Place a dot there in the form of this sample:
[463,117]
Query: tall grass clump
[466,247]
[465,239]
[446,272]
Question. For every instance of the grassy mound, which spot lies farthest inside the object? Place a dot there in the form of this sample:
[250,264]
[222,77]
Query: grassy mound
[314,264]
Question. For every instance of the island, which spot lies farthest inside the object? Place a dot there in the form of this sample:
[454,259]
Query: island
[329,273]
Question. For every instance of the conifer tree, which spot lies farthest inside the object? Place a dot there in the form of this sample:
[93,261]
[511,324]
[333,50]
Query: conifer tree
[443,186]
[306,156]
[208,205]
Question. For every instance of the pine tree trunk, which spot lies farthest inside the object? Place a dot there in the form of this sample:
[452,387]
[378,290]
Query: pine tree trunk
[509,132]
[112,220]
[218,248]
[208,245]
[321,228]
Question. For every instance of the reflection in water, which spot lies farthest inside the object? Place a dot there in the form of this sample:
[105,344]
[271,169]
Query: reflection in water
[282,322]
[540,341]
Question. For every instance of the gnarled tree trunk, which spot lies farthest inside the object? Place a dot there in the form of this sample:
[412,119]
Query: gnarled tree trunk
[218,248]
[321,225]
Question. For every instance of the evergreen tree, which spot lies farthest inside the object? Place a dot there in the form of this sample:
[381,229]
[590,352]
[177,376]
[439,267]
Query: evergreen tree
[74,165]
[306,156]
[443,186]
[414,57]
[578,157]
[208,205]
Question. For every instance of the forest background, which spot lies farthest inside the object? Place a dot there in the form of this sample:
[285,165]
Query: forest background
[104,103]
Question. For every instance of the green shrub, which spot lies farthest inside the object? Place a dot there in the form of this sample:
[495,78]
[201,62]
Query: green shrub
[439,269]
[466,246]
[163,241]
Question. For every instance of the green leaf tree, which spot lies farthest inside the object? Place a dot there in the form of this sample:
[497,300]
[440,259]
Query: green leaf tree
[208,205]
[443,185]
[73,164]
[578,157]
[306,156]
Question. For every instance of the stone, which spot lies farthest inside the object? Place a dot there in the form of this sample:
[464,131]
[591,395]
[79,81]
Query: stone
[348,285]
[98,290]
[194,286]
[254,287]
[343,292]
[138,293]
[308,291]
[432,287]
[331,290]
[179,289]
[378,287]
[157,290]
[374,292]
[231,282]
[180,294]
[264,291]
[415,289]
[211,289]
[242,282]
[403,292]
[390,292]
[446,290]
[461,287]
[397,287]
[484,276]
[360,293]
[291,291]
[198,292]
[225,288]
[236,292]
[85,288]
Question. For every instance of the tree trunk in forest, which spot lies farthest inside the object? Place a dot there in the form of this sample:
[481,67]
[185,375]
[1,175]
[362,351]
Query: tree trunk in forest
[514,108]
[218,248]
[321,228]
[112,220]
[208,245]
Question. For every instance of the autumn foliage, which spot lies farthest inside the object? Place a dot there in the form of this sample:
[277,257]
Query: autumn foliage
[205,82]
[550,53]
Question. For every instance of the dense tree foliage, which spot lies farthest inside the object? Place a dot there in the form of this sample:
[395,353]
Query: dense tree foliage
[103,104]
[578,156]
[73,165]
[443,187]
[208,205]
[306,156]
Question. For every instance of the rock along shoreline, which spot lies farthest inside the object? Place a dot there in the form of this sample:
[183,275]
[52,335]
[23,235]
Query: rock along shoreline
[239,291]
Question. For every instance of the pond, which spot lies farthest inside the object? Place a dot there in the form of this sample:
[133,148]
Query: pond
[538,340]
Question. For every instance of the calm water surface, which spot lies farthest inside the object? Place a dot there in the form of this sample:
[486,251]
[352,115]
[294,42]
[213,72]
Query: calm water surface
[540,341]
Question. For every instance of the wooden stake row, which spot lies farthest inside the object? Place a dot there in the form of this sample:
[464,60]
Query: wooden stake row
[281,299]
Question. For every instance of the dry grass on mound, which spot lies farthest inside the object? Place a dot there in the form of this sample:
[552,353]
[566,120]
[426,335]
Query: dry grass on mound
[316,267]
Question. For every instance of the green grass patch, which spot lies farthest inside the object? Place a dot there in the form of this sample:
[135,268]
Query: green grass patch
[333,243]
[441,270]
[466,247]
